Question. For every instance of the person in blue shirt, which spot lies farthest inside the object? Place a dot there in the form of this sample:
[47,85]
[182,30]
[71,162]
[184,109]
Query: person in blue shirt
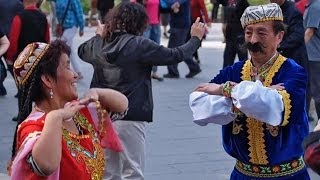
[70,17]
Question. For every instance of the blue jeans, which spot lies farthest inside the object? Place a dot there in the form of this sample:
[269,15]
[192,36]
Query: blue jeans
[177,38]
[153,32]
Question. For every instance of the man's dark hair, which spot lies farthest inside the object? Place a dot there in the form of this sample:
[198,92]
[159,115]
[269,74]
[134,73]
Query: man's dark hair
[278,26]
[126,17]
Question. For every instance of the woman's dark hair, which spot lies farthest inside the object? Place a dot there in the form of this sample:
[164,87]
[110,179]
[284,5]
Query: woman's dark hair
[126,17]
[33,89]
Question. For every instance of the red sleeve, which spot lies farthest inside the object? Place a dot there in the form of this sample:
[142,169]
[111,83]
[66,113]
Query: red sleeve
[47,35]
[27,129]
[204,10]
[13,38]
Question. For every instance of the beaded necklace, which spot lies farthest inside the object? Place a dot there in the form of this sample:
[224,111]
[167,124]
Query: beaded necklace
[262,72]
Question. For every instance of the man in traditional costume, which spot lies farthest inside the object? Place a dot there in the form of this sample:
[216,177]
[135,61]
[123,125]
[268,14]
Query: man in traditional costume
[260,103]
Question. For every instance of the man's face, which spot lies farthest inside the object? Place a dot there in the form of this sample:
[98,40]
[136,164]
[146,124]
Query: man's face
[261,40]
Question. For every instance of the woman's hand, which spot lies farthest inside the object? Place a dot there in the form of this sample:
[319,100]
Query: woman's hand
[69,110]
[198,29]
[317,128]
[278,87]
[100,29]
[90,96]
[210,88]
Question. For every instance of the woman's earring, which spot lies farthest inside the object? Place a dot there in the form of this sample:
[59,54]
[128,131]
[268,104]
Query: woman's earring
[51,94]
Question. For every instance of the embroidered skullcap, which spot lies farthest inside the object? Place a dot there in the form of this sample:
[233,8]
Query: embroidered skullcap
[27,60]
[261,13]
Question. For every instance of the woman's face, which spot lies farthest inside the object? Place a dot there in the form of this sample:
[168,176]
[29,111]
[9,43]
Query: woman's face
[65,87]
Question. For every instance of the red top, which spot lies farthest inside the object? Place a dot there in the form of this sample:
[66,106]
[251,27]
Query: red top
[82,156]
[197,7]
[301,5]
[15,33]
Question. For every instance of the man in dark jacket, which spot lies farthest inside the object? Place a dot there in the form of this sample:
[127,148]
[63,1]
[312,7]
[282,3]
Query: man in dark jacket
[292,45]
[122,60]
[8,9]
[234,35]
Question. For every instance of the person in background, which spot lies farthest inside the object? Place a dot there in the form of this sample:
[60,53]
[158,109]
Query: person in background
[153,30]
[93,11]
[164,17]
[311,147]
[260,103]
[60,136]
[122,60]
[104,7]
[234,35]
[70,17]
[312,40]
[198,9]
[8,9]
[180,22]
[292,45]
[30,25]
[4,45]
[53,17]
[301,5]
[215,9]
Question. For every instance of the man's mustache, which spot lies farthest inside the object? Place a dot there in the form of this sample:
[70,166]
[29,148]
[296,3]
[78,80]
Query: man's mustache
[255,47]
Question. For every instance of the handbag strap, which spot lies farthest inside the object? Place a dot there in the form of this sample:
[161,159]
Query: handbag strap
[65,12]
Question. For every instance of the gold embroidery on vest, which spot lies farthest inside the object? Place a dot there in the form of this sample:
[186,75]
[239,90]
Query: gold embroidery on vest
[94,161]
[257,147]
[258,154]
[287,106]
[273,130]
[236,128]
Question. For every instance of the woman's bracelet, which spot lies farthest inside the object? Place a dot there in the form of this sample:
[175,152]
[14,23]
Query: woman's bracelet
[227,88]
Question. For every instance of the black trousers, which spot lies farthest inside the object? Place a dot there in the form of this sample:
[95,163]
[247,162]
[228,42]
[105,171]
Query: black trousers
[177,38]
[314,74]
[233,48]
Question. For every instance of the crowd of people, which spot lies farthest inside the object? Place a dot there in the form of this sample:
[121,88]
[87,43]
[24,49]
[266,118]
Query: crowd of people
[262,101]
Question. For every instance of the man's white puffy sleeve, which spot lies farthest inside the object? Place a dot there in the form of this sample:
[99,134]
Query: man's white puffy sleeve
[211,109]
[251,98]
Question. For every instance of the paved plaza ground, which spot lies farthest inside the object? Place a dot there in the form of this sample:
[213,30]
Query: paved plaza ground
[177,149]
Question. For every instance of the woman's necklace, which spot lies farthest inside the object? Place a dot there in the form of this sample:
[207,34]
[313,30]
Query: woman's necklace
[78,126]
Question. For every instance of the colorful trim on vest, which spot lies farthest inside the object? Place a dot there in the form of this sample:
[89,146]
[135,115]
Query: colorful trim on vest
[261,171]
[257,146]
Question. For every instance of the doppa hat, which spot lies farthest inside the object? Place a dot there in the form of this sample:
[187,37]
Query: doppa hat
[261,13]
[27,60]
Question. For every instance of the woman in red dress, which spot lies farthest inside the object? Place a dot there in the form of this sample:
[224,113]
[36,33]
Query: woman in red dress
[60,136]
